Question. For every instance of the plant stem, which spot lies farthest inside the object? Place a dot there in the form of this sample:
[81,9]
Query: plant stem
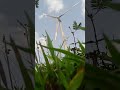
[95,34]
[7,59]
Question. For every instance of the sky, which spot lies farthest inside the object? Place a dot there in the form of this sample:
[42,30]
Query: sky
[56,8]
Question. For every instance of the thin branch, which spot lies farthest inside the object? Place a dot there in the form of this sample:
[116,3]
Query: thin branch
[95,34]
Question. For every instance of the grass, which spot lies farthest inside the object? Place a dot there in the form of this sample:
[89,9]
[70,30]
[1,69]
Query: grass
[64,71]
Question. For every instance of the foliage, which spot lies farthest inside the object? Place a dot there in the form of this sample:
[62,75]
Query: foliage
[77,26]
[37,3]
[102,4]
[104,75]
[26,74]
[67,70]
[64,69]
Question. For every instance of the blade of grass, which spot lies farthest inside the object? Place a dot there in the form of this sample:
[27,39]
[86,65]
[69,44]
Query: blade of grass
[81,46]
[31,30]
[7,60]
[72,59]
[2,88]
[39,77]
[28,50]
[114,52]
[101,77]
[2,74]
[77,80]
[39,80]
[117,41]
[24,72]
[63,79]
[49,42]
[115,6]
[46,59]
[65,52]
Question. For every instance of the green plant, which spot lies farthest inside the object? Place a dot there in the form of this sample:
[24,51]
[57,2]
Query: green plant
[64,73]
[105,76]
[25,72]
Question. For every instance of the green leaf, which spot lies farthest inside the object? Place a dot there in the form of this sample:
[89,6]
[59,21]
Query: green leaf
[117,41]
[101,78]
[81,46]
[2,75]
[37,3]
[113,51]
[28,50]
[46,60]
[2,88]
[63,79]
[49,42]
[66,53]
[39,79]
[77,26]
[98,4]
[76,60]
[77,80]
[81,28]
[24,72]
[115,6]
[31,29]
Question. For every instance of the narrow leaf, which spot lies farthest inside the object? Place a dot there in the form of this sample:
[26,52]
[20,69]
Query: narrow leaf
[77,80]
[24,72]
[113,51]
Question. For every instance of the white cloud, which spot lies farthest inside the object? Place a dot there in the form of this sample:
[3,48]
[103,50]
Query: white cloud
[42,40]
[41,16]
[38,39]
[54,5]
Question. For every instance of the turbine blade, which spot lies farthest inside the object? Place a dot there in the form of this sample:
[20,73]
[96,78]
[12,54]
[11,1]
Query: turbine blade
[51,16]
[69,9]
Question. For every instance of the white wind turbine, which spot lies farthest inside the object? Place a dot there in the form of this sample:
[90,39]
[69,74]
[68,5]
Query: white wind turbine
[59,24]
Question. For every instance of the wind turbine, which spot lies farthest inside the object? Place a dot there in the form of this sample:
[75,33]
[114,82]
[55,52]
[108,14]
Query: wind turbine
[59,24]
